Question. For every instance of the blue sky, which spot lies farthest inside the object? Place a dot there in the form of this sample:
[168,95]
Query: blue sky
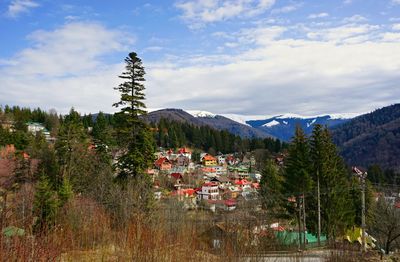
[251,57]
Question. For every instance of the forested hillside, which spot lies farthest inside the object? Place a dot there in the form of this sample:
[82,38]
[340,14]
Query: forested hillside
[217,122]
[370,139]
[173,134]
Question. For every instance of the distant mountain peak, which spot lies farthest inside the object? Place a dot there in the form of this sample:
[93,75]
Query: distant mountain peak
[200,113]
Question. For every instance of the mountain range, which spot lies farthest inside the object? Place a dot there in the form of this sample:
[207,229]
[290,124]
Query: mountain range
[281,126]
[363,140]
[372,138]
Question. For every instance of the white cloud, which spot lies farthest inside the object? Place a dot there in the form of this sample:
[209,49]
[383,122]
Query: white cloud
[344,33]
[355,19]
[320,15]
[287,8]
[352,67]
[396,27]
[347,2]
[396,2]
[282,74]
[66,67]
[197,13]
[17,7]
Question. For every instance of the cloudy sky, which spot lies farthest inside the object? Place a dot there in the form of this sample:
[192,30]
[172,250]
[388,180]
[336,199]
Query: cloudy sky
[251,57]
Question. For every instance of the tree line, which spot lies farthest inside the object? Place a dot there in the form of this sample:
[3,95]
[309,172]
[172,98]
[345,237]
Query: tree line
[314,177]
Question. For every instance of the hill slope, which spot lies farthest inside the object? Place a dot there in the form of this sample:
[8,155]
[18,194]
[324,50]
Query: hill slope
[214,121]
[372,138]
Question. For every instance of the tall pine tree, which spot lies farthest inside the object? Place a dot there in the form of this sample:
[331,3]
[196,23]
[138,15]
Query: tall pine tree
[330,172]
[298,182]
[134,136]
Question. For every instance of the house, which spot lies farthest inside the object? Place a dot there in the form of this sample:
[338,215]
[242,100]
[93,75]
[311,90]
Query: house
[220,170]
[35,127]
[229,204]
[233,191]
[177,179]
[209,172]
[231,160]
[209,160]
[185,152]
[221,159]
[226,205]
[182,160]
[209,191]
[243,183]
[255,176]
[223,182]
[163,164]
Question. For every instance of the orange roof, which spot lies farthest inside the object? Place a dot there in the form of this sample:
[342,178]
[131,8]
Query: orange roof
[183,150]
[209,158]
[242,182]
[161,161]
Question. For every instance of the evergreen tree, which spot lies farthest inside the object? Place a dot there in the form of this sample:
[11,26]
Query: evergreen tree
[134,134]
[298,182]
[71,145]
[330,172]
[45,205]
[271,186]
[102,132]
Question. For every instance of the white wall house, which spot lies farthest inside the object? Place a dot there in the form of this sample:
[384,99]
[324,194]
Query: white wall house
[209,191]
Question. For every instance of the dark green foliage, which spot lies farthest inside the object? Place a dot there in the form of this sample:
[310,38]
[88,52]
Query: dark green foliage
[102,131]
[271,186]
[316,161]
[328,169]
[371,139]
[45,206]
[133,133]
[65,192]
[174,134]
[298,165]
[71,144]
[134,137]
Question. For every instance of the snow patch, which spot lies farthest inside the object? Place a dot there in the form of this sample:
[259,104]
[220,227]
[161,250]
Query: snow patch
[242,119]
[271,124]
[285,122]
[311,123]
[345,115]
[198,113]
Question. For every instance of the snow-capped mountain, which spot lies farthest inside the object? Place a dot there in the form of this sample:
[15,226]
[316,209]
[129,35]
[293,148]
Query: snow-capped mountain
[281,126]
[198,113]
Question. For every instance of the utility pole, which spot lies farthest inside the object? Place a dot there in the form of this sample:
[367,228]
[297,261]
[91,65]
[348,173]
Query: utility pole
[299,208]
[319,210]
[362,176]
[304,221]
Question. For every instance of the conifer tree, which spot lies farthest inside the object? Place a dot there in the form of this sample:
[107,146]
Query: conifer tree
[134,135]
[45,205]
[271,186]
[330,172]
[298,180]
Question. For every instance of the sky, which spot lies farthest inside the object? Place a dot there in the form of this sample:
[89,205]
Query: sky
[248,57]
